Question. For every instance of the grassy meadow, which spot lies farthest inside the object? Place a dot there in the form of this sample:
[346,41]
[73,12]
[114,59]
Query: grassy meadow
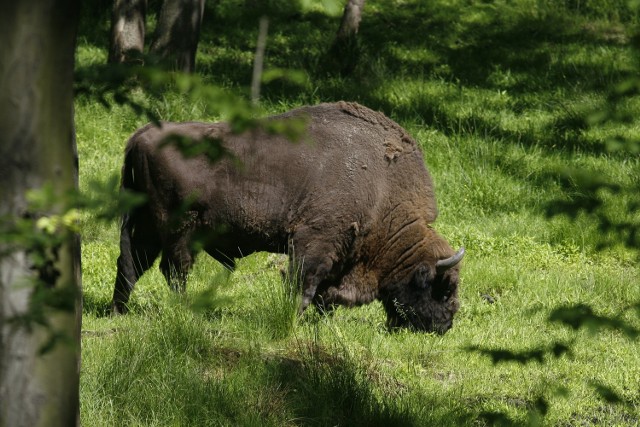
[498,94]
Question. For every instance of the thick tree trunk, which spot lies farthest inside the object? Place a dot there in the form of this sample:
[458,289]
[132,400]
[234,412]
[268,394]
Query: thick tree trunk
[127,30]
[178,33]
[37,147]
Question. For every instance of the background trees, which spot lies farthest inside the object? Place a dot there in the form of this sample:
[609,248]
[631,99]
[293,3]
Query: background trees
[39,254]
[351,18]
[128,23]
[178,32]
[176,37]
[345,46]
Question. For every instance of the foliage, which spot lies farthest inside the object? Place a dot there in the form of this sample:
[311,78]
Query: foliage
[109,84]
[41,238]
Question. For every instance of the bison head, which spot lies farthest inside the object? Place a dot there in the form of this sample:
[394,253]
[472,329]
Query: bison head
[428,300]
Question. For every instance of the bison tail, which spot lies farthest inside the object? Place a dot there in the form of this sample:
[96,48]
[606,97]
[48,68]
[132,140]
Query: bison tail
[132,176]
[127,171]
[132,158]
[127,184]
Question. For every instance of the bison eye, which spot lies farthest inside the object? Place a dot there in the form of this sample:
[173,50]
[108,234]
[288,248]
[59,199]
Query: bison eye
[442,292]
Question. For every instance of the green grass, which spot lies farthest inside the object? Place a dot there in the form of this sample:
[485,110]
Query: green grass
[497,94]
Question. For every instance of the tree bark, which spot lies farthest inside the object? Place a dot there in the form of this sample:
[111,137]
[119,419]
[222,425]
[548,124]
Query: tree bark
[351,18]
[127,30]
[178,32]
[37,147]
[344,52]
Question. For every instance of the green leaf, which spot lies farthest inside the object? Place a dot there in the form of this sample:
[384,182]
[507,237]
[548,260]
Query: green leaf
[294,76]
[330,7]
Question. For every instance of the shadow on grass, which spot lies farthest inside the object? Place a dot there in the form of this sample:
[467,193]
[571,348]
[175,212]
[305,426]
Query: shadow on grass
[332,388]
[178,369]
[95,305]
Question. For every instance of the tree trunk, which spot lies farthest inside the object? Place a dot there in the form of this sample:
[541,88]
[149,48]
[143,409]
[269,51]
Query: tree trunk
[37,147]
[127,30]
[350,20]
[345,51]
[178,32]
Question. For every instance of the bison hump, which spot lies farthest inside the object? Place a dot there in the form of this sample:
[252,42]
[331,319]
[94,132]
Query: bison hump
[376,118]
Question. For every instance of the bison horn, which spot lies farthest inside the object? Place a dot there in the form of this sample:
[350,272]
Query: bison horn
[445,264]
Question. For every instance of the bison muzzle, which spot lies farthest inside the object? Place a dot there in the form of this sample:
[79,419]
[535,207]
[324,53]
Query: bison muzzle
[352,205]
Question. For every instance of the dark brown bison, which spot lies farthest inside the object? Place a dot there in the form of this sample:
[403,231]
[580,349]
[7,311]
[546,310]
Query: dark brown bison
[352,205]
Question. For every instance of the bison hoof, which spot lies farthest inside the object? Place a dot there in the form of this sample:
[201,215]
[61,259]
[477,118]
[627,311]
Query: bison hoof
[118,309]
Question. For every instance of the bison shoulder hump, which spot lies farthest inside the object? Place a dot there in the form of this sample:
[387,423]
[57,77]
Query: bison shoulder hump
[376,118]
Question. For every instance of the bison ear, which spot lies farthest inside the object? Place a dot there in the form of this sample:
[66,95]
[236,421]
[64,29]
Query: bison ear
[422,277]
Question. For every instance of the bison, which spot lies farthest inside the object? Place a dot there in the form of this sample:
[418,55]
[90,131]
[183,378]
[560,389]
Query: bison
[352,205]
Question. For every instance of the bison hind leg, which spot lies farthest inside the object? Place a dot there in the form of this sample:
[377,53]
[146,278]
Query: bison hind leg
[139,248]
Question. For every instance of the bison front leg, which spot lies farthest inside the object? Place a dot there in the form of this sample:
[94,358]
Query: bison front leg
[177,260]
[358,286]
[312,276]
[312,262]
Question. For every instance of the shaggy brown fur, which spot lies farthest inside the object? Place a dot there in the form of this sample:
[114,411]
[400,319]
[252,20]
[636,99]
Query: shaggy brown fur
[353,206]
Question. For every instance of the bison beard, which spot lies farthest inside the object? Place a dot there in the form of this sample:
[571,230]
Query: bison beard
[352,205]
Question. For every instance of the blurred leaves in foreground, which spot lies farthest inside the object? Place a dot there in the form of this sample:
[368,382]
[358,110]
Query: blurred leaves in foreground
[138,87]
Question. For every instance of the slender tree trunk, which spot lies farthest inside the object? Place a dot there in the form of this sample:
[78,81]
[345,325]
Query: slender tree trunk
[37,147]
[350,20]
[345,51]
[178,33]
[127,30]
